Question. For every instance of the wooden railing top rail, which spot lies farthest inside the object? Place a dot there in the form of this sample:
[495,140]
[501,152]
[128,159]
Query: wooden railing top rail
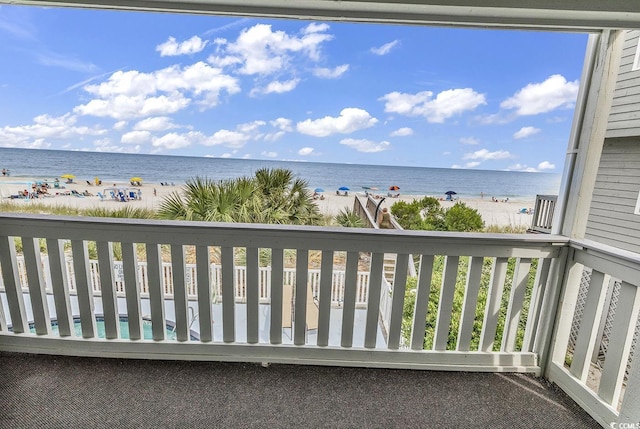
[278,236]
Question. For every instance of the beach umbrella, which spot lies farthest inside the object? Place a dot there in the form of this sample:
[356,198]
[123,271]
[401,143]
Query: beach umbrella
[394,188]
[318,190]
[450,193]
[68,176]
[136,179]
[343,188]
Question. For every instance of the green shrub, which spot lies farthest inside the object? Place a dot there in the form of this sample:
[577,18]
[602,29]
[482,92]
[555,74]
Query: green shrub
[463,218]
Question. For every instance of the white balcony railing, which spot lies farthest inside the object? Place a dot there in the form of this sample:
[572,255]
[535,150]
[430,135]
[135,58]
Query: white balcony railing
[215,274]
[482,302]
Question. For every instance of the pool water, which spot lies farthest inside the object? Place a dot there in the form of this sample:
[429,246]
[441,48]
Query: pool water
[147,333]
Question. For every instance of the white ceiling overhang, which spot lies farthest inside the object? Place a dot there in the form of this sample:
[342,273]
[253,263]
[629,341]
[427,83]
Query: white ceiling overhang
[571,15]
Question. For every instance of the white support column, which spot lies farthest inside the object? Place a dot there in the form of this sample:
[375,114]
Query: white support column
[583,158]
[590,134]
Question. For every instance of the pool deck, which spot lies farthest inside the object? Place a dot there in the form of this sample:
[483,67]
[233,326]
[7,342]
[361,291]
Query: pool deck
[41,391]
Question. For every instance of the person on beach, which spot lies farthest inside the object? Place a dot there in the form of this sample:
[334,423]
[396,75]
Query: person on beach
[385,219]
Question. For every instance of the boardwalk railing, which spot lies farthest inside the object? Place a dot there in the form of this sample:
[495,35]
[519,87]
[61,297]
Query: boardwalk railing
[543,213]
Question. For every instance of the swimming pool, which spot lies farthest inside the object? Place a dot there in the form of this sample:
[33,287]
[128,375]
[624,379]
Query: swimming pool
[147,332]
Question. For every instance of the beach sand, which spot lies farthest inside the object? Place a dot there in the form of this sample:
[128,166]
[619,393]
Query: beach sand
[500,214]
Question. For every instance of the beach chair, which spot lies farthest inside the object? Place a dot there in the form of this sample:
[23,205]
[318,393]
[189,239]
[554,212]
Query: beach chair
[102,197]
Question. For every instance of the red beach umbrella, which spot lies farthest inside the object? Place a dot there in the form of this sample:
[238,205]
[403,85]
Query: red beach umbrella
[394,188]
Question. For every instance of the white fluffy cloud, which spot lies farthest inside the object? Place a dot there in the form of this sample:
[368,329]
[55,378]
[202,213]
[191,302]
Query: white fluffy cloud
[176,141]
[158,123]
[469,141]
[334,73]
[401,132]
[277,87]
[351,119]
[282,125]
[136,137]
[546,165]
[172,48]
[436,110]
[45,128]
[234,139]
[134,94]
[269,154]
[525,132]
[259,50]
[555,92]
[367,146]
[305,151]
[486,155]
[385,49]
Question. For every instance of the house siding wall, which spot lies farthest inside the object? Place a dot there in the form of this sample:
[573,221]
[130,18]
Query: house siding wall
[611,215]
[624,117]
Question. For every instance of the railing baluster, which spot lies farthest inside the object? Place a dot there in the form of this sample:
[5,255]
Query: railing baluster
[494,300]
[326,277]
[397,306]
[349,308]
[373,302]
[60,287]
[592,311]
[537,296]
[12,285]
[253,295]
[156,291]
[83,289]
[516,300]
[108,290]
[422,302]
[179,279]
[447,292]
[277,282]
[132,290]
[300,307]
[624,323]
[204,294]
[467,319]
[228,301]
[37,293]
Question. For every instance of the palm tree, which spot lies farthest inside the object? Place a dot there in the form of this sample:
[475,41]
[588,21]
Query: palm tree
[272,196]
[349,218]
[287,199]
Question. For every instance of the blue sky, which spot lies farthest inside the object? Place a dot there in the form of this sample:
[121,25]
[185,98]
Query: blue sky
[286,90]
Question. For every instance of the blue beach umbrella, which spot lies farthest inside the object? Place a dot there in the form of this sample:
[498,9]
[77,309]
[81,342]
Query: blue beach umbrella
[318,190]
[343,188]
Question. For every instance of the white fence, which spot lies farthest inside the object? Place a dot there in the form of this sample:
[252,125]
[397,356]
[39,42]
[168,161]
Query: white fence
[191,283]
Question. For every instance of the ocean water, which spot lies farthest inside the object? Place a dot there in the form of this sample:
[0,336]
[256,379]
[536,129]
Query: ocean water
[118,168]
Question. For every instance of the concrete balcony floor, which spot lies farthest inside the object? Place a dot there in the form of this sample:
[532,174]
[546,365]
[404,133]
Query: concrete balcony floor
[41,391]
